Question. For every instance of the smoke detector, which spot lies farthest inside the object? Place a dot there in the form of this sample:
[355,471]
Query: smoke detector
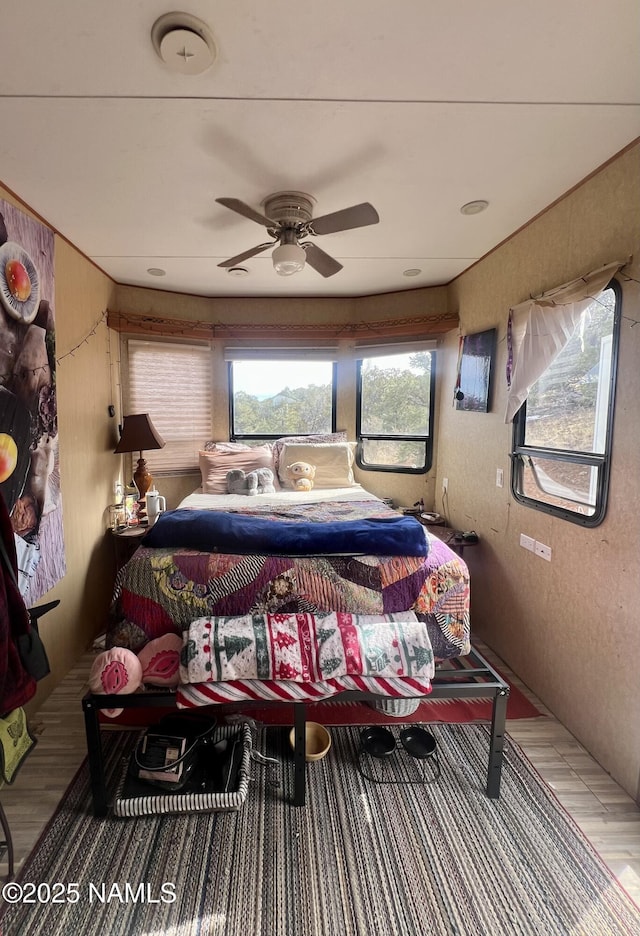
[184,43]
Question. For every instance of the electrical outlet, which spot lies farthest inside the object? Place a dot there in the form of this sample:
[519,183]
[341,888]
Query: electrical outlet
[499,477]
[543,551]
[445,485]
[527,542]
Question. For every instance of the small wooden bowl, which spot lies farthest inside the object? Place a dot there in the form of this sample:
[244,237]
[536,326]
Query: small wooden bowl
[317,741]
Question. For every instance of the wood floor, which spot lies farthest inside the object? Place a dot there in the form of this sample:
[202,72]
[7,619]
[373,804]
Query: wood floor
[607,815]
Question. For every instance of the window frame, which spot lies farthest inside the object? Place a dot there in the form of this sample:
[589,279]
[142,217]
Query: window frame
[520,451]
[370,437]
[272,437]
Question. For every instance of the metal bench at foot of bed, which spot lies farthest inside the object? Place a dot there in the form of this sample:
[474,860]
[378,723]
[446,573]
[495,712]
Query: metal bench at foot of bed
[477,680]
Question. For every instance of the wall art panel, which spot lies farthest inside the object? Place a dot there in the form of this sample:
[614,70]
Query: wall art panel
[29,465]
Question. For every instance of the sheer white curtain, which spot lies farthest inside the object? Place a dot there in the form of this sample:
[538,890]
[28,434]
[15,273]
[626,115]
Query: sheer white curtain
[539,329]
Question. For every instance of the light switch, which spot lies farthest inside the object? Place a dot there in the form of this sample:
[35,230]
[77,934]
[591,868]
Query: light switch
[527,542]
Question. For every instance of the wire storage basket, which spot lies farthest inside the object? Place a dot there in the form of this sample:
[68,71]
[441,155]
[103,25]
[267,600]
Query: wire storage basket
[396,707]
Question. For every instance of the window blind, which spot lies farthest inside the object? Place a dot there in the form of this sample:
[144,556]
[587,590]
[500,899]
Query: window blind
[385,349]
[173,383]
[267,353]
[364,349]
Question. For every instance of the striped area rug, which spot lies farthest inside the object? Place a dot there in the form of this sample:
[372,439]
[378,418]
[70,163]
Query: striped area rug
[361,859]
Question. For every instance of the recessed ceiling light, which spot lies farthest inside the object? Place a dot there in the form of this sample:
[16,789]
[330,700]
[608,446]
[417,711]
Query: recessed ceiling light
[156,271]
[238,271]
[413,272]
[474,207]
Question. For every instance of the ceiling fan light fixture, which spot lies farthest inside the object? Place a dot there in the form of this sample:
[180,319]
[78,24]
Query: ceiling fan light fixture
[288,220]
[288,259]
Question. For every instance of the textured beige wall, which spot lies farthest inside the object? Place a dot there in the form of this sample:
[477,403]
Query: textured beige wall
[569,628]
[87,465]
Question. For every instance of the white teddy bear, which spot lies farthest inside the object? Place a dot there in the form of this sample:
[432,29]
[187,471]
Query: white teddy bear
[301,475]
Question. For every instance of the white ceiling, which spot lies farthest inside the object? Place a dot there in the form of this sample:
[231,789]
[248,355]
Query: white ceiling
[417,107]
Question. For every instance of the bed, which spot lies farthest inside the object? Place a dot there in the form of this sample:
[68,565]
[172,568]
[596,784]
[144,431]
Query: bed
[326,593]
[167,586]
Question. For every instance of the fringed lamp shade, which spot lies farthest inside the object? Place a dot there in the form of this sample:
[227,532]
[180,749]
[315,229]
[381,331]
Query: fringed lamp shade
[139,435]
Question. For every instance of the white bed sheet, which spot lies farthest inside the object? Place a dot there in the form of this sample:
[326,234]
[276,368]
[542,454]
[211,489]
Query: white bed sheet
[199,501]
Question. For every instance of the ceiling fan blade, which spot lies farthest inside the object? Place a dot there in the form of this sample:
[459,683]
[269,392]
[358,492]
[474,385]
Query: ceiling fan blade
[321,262]
[234,261]
[245,210]
[345,220]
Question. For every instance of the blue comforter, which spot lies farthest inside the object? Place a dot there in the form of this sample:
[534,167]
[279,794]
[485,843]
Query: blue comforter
[237,534]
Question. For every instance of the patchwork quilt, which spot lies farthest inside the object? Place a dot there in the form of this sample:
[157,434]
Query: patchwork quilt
[163,590]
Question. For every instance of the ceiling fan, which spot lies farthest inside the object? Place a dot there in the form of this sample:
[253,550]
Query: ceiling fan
[288,220]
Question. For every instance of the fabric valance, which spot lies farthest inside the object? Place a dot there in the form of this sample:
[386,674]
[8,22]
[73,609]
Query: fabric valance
[287,334]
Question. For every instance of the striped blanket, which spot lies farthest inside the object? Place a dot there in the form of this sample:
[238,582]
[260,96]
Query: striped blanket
[303,656]
[305,647]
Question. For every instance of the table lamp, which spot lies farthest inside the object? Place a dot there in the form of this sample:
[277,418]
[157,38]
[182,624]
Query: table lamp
[139,434]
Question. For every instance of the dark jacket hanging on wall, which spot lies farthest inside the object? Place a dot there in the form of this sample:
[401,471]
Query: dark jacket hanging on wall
[16,685]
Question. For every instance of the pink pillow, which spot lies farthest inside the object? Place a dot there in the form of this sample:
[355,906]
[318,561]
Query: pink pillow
[117,671]
[160,660]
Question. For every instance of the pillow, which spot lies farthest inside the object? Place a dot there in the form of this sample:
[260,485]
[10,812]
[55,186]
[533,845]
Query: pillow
[114,672]
[215,465]
[160,660]
[227,447]
[316,438]
[333,461]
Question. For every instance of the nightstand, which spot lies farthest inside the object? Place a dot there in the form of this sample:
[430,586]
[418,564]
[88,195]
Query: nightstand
[448,536]
[125,543]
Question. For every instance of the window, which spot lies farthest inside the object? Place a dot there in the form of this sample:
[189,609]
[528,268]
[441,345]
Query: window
[562,433]
[172,382]
[395,412]
[273,398]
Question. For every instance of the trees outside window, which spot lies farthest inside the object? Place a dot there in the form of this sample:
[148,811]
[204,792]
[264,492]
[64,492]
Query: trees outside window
[270,399]
[394,415]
